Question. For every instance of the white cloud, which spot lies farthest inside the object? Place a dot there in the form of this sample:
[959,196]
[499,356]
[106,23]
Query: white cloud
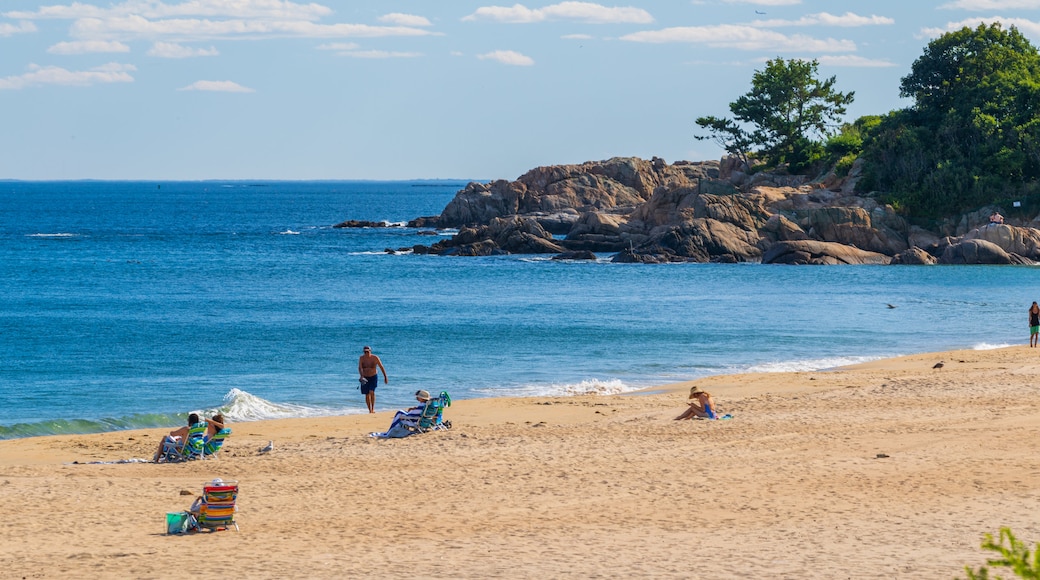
[587,12]
[404,19]
[339,46]
[1028,27]
[212,19]
[8,29]
[742,38]
[851,60]
[185,29]
[174,50]
[992,4]
[217,87]
[378,54]
[576,37]
[825,19]
[153,9]
[765,2]
[52,75]
[88,47]
[509,57]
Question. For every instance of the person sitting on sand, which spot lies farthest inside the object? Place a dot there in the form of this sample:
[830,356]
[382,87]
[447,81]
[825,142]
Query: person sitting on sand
[177,435]
[701,405]
[213,425]
[412,413]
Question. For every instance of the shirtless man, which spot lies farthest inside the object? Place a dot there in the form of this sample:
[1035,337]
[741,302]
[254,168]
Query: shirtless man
[368,366]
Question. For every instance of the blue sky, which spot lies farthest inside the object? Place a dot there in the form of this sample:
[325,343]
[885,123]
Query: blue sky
[399,89]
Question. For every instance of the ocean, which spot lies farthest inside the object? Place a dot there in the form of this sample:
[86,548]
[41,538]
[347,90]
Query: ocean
[128,304]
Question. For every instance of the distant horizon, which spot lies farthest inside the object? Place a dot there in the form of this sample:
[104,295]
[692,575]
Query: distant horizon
[301,90]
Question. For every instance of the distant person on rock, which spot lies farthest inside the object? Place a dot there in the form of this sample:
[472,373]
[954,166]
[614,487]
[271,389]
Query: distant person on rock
[368,367]
[995,219]
[1034,324]
[701,405]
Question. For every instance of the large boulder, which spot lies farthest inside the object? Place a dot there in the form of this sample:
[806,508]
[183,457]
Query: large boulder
[820,253]
[702,240]
[852,226]
[977,251]
[522,236]
[1014,240]
[914,257]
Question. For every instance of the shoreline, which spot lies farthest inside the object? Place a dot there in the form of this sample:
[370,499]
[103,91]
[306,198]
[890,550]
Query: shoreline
[882,469]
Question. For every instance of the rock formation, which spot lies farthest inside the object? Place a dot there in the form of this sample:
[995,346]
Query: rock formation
[653,212]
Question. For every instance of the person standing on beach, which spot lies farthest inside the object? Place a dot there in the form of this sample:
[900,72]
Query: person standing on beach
[368,367]
[1034,324]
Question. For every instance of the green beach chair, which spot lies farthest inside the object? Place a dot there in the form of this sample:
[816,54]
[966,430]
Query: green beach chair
[432,418]
[213,444]
[191,447]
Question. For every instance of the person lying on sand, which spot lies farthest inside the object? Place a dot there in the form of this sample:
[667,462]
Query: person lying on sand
[701,405]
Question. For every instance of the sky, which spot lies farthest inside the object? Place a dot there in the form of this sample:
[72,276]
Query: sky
[417,89]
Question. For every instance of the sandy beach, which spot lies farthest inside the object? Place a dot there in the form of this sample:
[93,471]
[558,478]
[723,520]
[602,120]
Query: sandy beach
[890,469]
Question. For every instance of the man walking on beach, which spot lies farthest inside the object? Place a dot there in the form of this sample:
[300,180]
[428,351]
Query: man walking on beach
[367,367]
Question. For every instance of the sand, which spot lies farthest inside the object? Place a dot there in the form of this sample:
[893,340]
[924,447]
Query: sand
[885,470]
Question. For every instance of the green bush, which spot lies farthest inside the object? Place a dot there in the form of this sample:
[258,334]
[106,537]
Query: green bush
[1013,554]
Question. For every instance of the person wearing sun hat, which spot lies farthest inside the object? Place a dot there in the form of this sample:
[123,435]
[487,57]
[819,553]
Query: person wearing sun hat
[701,405]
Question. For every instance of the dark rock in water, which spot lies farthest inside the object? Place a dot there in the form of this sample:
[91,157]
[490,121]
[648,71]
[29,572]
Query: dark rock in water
[426,233]
[578,255]
[914,257]
[820,253]
[481,248]
[389,250]
[424,222]
[362,224]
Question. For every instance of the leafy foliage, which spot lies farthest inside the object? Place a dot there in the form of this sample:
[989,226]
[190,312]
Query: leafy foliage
[788,111]
[972,137]
[1013,554]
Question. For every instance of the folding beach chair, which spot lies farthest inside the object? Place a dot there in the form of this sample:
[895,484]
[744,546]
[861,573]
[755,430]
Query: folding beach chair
[213,444]
[432,417]
[191,447]
[215,508]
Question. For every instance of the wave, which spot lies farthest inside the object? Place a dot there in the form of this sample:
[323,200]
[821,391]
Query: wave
[237,406]
[988,346]
[288,233]
[819,364]
[57,235]
[585,387]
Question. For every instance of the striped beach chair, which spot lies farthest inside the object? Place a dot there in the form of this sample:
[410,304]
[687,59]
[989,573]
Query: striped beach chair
[213,444]
[215,509]
[191,447]
[432,418]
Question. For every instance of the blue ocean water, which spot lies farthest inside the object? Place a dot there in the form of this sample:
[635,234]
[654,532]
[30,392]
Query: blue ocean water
[128,304]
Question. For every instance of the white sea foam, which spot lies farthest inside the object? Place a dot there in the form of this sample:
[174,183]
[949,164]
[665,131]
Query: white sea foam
[288,233]
[59,235]
[240,405]
[818,364]
[988,346]
[585,387]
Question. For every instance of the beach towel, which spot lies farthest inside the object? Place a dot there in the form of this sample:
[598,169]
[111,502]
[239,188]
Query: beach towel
[396,431]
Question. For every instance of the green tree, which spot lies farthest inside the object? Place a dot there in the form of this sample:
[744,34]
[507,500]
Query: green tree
[972,136]
[788,112]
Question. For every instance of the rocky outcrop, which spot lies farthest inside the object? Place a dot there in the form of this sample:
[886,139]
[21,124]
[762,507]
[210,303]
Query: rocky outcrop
[979,252]
[823,253]
[620,184]
[1024,242]
[653,212]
